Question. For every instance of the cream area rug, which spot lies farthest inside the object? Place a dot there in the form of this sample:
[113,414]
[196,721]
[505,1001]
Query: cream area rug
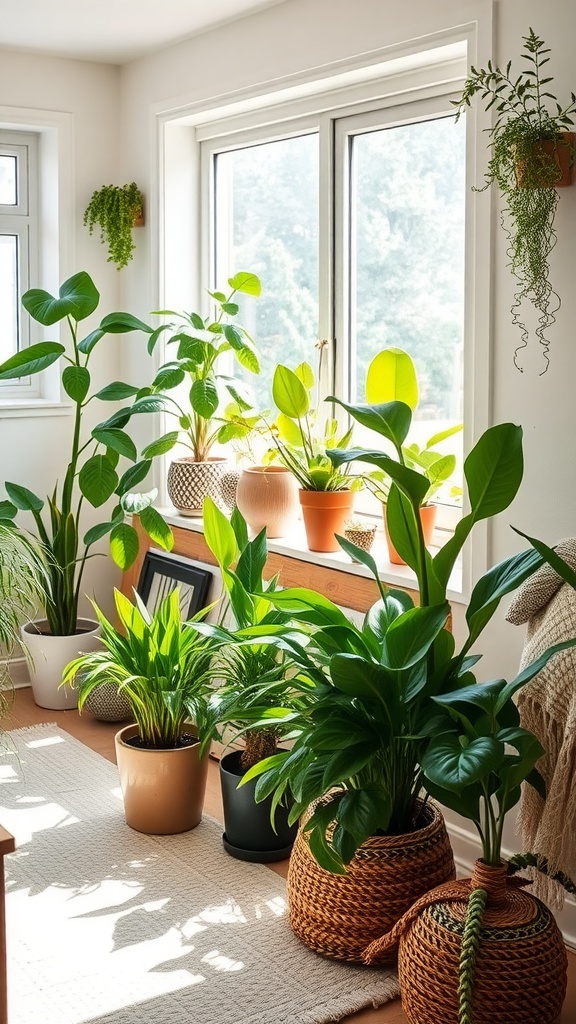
[109,926]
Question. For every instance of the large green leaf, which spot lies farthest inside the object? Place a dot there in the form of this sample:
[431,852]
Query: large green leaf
[78,298]
[565,571]
[391,420]
[133,476]
[309,606]
[161,445]
[124,545]
[245,282]
[116,392]
[117,440]
[289,393]
[391,377]
[31,360]
[495,584]
[76,382]
[358,677]
[136,502]
[410,636]
[7,510]
[251,563]
[494,469]
[122,323]
[401,525]
[204,397]
[97,532]
[452,766]
[219,534]
[97,480]
[24,499]
[159,531]
[382,614]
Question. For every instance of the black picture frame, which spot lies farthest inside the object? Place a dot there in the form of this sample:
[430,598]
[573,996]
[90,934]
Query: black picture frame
[161,574]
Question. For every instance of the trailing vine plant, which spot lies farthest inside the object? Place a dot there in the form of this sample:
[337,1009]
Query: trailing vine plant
[114,208]
[525,170]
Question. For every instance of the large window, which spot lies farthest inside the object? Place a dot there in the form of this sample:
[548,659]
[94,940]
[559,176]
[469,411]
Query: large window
[18,240]
[355,222]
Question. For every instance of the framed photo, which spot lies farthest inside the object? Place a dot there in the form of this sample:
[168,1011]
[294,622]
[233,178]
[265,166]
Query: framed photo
[161,574]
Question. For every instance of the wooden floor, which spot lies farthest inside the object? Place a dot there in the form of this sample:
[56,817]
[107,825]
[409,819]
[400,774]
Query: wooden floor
[100,737]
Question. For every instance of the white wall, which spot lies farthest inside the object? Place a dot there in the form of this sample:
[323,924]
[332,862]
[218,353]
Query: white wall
[34,450]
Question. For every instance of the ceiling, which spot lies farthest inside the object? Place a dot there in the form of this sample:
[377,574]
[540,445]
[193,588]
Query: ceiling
[113,31]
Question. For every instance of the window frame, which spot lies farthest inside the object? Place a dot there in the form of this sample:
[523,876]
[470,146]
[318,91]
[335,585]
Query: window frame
[21,220]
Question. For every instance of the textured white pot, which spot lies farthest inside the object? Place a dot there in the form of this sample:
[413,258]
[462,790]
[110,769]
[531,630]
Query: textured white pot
[48,655]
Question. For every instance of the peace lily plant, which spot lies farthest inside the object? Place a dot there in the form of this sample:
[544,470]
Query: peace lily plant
[91,474]
[361,744]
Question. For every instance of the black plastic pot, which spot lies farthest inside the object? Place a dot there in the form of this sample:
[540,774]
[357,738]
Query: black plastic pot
[248,830]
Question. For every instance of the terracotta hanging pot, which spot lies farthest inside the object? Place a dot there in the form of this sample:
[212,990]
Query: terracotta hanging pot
[325,514]
[163,790]
[559,150]
[513,971]
[339,915]
[428,520]
[267,496]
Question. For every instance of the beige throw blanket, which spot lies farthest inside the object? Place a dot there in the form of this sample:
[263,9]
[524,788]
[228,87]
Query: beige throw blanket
[547,707]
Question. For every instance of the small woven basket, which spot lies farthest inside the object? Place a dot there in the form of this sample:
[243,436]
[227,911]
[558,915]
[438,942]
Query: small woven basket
[519,971]
[339,915]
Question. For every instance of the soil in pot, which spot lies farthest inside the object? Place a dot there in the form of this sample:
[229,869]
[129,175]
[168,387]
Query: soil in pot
[248,830]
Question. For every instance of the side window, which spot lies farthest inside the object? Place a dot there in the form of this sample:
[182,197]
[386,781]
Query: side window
[18,244]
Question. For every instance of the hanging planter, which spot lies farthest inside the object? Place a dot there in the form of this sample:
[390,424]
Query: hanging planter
[529,146]
[116,209]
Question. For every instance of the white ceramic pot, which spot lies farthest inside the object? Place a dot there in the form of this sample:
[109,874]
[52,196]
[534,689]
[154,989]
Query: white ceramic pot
[48,655]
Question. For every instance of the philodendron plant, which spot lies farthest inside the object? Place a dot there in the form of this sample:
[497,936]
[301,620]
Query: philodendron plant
[362,741]
[91,472]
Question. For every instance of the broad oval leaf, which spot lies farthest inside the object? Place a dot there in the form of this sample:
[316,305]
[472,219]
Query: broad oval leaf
[494,470]
[449,765]
[219,534]
[135,503]
[76,382]
[116,392]
[133,476]
[289,393]
[204,397]
[31,360]
[78,298]
[24,499]
[122,323]
[391,377]
[7,510]
[161,445]
[118,440]
[97,480]
[124,545]
[411,635]
[96,532]
[245,282]
[391,420]
[156,528]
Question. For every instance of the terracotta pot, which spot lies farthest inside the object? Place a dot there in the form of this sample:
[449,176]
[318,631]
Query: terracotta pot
[190,482]
[325,513]
[428,520]
[519,971]
[339,915]
[163,790]
[267,496]
[560,151]
[47,656]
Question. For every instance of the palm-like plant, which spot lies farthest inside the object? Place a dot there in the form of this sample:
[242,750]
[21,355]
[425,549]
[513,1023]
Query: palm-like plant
[161,668]
[24,580]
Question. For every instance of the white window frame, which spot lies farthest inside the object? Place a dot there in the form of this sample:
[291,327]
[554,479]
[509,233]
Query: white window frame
[421,68]
[21,220]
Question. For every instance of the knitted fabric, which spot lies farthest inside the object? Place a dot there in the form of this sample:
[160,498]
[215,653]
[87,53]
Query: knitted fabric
[547,707]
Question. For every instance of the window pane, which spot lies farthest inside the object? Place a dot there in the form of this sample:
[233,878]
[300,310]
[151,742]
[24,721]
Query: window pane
[8,295]
[407,280]
[8,192]
[267,223]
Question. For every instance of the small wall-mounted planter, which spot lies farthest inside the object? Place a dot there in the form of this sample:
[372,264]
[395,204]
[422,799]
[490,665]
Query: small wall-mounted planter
[562,151]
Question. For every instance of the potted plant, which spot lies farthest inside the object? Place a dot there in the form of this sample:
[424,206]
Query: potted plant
[255,680]
[500,948]
[116,209]
[357,758]
[391,377]
[91,477]
[527,140]
[164,672]
[214,410]
[326,491]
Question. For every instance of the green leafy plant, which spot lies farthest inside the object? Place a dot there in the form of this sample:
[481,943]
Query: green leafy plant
[246,619]
[23,580]
[528,114]
[361,742]
[114,208]
[201,342]
[296,442]
[91,473]
[391,376]
[161,668]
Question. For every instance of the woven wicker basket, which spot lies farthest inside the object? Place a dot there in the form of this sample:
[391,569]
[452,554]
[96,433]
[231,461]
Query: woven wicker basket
[339,915]
[519,974]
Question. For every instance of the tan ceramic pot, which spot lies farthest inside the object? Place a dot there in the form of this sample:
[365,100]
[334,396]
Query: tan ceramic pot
[267,496]
[428,520]
[325,513]
[163,790]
